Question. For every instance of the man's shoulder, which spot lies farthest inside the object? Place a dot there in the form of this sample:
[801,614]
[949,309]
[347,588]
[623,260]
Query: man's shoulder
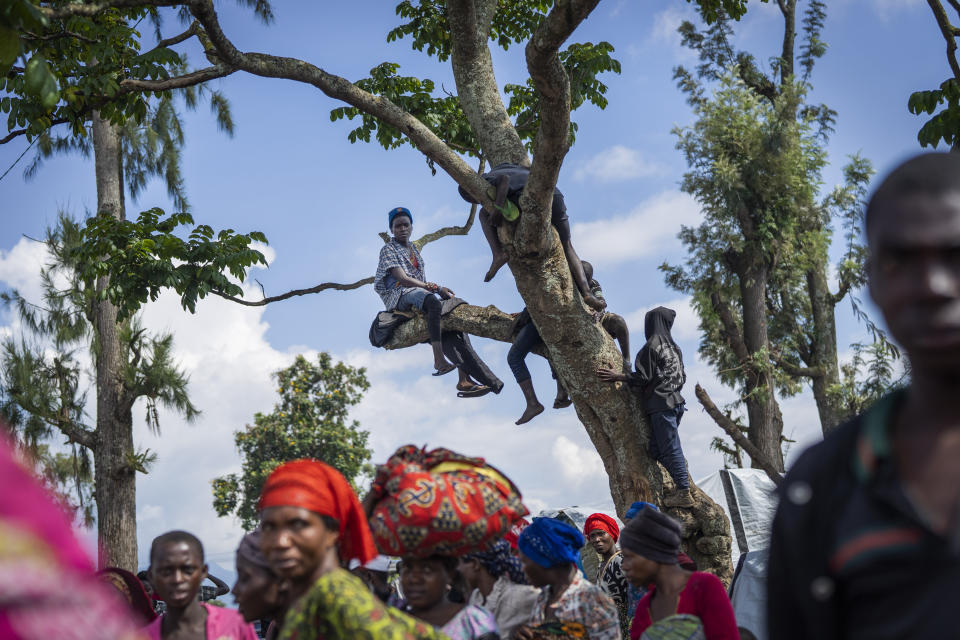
[829,456]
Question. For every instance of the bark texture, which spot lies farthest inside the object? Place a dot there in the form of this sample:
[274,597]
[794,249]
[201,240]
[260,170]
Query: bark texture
[114,475]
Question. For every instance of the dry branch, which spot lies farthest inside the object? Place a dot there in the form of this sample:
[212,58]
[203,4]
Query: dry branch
[732,430]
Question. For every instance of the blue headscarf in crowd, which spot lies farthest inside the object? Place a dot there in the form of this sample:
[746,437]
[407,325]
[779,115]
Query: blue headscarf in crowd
[499,560]
[635,509]
[550,542]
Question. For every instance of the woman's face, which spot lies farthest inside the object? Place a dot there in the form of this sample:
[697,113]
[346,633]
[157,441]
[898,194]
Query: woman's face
[295,541]
[401,228]
[424,581]
[470,569]
[257,591]
[640,571]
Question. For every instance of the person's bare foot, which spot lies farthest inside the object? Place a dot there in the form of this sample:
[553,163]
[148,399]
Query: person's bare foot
[498,261]
[532,412]
[562,402]
[595,302]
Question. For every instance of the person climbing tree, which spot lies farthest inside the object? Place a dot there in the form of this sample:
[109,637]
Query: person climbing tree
[509,180]
[659,376]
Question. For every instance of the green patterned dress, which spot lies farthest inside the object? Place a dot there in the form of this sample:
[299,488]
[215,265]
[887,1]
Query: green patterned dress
[340,607]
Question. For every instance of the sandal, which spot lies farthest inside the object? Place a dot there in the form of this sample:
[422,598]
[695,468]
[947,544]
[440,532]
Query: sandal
[474,391]
[445,370]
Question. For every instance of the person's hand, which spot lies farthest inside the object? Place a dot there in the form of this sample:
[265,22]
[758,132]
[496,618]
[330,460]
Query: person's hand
[609,375]
[523,632]
[446,294]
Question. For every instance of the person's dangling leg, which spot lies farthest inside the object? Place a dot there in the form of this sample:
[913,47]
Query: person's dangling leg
[490,233]
[432,306]
[562,401]
[527,338]
[560,221]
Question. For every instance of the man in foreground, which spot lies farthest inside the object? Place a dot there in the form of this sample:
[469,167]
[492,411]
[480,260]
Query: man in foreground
[866,540]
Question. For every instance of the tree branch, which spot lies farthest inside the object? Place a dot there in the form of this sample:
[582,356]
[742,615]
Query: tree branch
[55,36]
[553,137]
[270,66]
[730,328]
[733,430]
[484,322]
[477,86]
[179,82]
[90,9]
[421,242]
[842,291]
[192,30]
[949,35]
[19,132]
[297,292]
[794,370]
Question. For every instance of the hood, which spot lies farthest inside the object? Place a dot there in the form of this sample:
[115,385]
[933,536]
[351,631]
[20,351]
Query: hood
[658,322]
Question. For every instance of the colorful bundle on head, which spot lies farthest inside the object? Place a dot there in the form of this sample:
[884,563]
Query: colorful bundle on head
[441,502]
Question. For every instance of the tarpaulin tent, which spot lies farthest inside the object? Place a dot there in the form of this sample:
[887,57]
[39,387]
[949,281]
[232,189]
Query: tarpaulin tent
[748,498]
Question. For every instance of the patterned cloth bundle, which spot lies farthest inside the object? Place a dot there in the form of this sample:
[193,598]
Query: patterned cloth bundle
[441,502]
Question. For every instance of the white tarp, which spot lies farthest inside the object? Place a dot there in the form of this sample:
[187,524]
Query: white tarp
[748,497]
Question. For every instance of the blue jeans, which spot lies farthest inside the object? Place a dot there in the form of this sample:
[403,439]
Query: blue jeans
[412,300]
[427,302]
[527,338]
[665,444]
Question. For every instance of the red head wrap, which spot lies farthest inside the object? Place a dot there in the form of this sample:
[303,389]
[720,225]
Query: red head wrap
[604,522]
[313,485]
[514,534]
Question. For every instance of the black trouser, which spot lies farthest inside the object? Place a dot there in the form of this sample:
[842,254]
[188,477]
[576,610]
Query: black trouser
[459,351]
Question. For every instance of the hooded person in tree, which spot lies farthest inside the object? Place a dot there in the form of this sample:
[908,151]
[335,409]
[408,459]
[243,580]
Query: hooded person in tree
[658,377]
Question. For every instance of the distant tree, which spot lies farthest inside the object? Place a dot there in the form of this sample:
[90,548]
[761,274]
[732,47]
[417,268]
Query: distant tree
[758,267]
[309,421]
[43,379]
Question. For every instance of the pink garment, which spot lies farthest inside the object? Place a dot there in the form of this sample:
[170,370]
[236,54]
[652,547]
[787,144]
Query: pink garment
[704,597]
[47,586]
[222,624]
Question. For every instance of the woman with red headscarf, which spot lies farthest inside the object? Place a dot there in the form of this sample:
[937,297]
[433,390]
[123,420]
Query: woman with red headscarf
[311,524]
[603,532]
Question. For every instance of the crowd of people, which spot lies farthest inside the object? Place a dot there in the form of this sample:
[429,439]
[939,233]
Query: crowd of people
[864,543]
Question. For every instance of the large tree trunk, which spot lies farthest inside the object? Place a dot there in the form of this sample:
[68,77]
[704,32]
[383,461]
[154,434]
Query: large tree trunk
[765,421]
[824,352]
[114,475]
[576,345]
[612,415]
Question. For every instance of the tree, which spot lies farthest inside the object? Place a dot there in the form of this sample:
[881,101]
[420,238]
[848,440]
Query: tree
[576,345]
[944,125]
[758,266]
[43,377]
[70,77]
[309,421]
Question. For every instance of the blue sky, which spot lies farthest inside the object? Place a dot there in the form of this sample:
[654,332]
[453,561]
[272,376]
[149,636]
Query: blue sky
[321,201]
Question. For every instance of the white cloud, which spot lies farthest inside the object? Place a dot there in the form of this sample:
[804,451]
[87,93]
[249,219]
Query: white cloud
[617,164]
[577,464]
[649,229]
[664,38]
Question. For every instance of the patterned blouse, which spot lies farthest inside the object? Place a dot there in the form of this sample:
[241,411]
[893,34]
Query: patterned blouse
[393,254]
[340,607]
[582,602]
[472,623]
[614,583]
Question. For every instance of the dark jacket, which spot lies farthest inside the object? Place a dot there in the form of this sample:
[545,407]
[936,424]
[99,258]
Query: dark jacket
[659,374]
[850,555]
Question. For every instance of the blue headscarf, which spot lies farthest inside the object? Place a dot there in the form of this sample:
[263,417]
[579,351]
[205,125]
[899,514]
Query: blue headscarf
[398,211]
[499,560]
[636,507]
[549,542]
